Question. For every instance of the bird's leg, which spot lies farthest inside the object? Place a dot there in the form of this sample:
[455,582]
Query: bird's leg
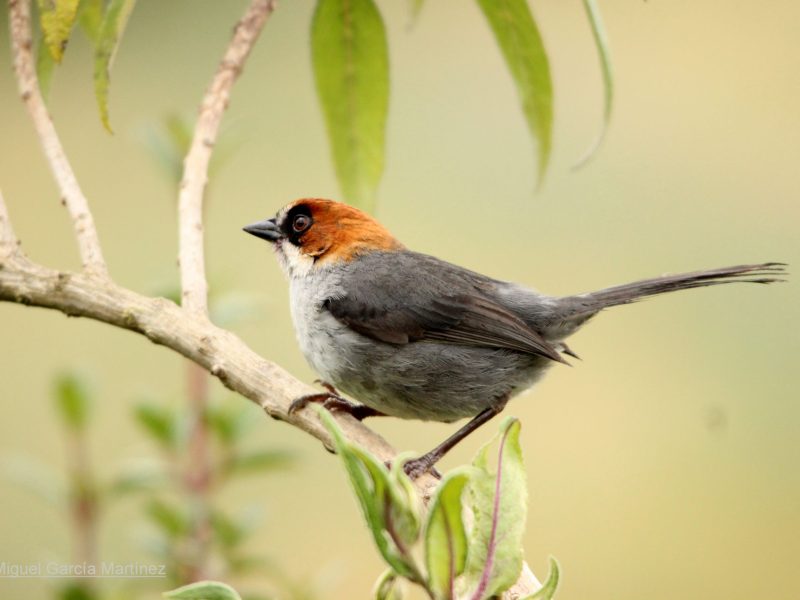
[331,400]
[417,466]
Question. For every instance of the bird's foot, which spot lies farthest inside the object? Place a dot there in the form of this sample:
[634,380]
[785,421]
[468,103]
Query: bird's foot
[419,466]
[332,401]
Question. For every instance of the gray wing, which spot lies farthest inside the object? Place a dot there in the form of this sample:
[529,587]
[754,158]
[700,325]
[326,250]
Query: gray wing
[405,297]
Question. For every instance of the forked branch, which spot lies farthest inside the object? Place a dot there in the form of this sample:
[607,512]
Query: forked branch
[194,285]
[71,194]
[185,329]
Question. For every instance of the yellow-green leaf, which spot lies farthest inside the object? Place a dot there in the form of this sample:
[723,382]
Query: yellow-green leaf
[351,68]
[44,67]
[111,30]
[389,511]
[521,44]
[601,41]
[204,590]
[72,400]
[387,587]
[445,536]
[498,500]
[548,590]
[57,18]
[90,17]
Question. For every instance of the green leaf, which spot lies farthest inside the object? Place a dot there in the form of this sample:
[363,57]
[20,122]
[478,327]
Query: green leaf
[90,17]
[387,587]
[76,591]
[44,67]
[204,590]
[498,501]
[445,537]
[227,532]
[159,423]
[168,518]
[601,41]
[260,461]
[57,18]
[389,512]
[351,68]
[111,29]
[521,44]
[548,590]
[72,401]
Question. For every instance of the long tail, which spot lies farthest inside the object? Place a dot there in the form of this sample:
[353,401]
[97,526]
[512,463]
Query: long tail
[583,306]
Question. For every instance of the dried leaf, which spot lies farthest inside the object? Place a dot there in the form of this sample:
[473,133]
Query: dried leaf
[57,18]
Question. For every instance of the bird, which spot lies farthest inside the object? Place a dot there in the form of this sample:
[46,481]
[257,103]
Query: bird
[413,336]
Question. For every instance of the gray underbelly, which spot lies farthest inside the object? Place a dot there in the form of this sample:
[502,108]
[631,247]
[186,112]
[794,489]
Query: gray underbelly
[427,380]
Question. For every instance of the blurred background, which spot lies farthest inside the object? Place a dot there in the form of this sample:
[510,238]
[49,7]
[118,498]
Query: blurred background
[663,465]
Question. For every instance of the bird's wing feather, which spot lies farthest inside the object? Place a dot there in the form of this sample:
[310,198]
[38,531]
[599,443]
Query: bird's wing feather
[414,298]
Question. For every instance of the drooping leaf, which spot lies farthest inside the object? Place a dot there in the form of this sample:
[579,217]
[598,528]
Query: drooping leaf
[385,504]
[56,18]
[115,19]
[90,17]
[601,42]
[548,590]
[44,67]
[351,68]
[204,590]
[445,536]
[521,44]
[72,400]
[497,498]
[387,587]
[159,423]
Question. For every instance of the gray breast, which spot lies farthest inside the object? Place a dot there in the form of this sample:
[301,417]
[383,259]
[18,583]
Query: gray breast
[425,380]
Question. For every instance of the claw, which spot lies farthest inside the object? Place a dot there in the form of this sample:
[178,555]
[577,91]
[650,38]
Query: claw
[419,466]
[334,402]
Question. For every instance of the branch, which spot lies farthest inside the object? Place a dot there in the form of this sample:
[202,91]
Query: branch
[195,166]
[185,330]
[218,351]
[71,195]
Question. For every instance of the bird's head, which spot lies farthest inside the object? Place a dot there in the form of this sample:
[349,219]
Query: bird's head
[312,233]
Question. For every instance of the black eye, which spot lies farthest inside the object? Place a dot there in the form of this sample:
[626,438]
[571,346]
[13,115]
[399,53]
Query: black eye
[301,223]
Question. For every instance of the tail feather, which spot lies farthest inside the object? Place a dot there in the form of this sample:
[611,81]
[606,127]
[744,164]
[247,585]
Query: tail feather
[586,305]
[624,294]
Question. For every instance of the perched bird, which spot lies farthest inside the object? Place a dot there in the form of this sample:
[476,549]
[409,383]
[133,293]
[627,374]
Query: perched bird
[412,336]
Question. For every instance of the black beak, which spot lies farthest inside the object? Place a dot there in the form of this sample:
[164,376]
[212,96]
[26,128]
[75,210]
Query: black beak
[267,230]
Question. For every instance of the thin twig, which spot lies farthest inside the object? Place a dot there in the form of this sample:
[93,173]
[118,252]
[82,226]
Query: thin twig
[8,241]
[71,195]
[195,167]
